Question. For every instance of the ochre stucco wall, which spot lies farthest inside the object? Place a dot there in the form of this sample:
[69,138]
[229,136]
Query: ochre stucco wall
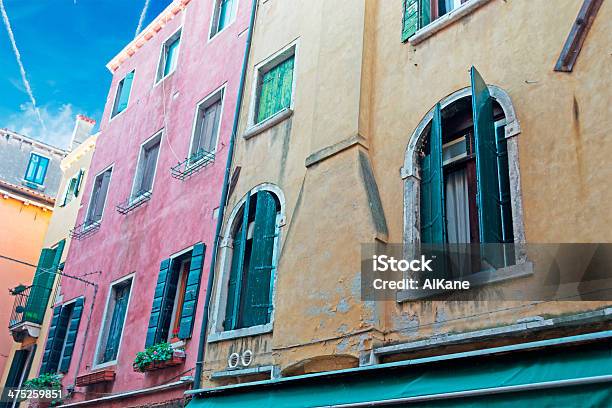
[357,82]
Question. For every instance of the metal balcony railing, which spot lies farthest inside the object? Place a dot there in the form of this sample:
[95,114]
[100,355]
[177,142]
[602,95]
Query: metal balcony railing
[29,305]
[134,202]
[84,230]
[192,164]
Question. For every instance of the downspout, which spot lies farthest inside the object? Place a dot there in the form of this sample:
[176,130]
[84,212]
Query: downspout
[223,201]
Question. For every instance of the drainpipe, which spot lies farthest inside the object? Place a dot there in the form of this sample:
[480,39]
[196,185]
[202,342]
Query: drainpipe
[223,201]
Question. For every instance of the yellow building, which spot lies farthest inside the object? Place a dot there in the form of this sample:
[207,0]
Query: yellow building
[365,122]
[29,325]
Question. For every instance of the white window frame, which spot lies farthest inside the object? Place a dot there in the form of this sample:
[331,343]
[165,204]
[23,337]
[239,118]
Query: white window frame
[159,72]
[86,227]
[113,115]
[159,134]
[259,70]
[205,103]
[216,331]
[214,19]
[102,333]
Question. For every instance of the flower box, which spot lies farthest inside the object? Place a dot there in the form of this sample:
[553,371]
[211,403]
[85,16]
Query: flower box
[96,377]
[178,358]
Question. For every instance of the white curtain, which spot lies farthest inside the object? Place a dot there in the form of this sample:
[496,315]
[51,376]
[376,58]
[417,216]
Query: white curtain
[457,208]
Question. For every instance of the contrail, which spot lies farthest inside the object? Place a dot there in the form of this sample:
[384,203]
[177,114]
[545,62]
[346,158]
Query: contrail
[142,17]
[21,68]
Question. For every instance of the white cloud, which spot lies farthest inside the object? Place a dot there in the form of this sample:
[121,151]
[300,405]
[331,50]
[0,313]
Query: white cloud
[59,123]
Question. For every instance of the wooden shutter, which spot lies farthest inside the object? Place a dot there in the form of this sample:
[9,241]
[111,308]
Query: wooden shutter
[79,182]
[192,289]
[285,86]
[266,95]
[410,21]
[17,367]
[50,357]
[237,271]
[124,92]
[159,303]
[101,195]
[210,127]
[504,184]
[433,228]
[116,325]
[42,283]
[71,335]
[257,307]
[488,195]
[148,168]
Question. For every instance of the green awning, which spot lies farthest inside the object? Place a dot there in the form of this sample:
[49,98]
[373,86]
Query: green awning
[572,376]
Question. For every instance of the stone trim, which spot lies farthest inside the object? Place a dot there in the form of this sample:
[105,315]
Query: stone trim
[218,375]
[268,123]
[329,151]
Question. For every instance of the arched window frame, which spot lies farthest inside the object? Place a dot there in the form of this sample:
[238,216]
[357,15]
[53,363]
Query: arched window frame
[217,332]
[411,176]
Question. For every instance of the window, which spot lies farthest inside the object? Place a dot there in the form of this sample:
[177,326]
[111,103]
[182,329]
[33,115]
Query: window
[206,130]
[465,186]
[176,296]
[62,336]
[122,96]
[73,188]
[98,198]
[145,170]
[37,169]
[20,367]
[223,15]
[274,86]
[249,286]
[169,56]
[419,13]
[114,319]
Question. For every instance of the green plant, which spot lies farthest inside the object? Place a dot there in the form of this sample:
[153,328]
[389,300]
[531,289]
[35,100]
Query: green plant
[44,381]
[156,352]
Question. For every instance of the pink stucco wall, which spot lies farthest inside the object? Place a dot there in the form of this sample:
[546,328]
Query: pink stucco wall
[179,214]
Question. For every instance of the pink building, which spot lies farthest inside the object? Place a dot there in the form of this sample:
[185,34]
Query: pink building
[141,249]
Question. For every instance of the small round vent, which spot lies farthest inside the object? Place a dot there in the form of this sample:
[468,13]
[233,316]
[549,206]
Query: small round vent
[233,360]
[247,358]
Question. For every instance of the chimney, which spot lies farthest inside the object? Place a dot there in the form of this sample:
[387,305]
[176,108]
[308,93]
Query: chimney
[82,130]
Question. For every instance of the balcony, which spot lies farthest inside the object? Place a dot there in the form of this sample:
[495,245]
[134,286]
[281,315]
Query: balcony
[28,311]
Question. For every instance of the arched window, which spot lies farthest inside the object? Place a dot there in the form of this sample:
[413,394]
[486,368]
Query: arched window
[249,269]
[461,174]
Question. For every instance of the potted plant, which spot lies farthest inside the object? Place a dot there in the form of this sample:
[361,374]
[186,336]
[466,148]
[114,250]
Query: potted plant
[46,381]
[158,356]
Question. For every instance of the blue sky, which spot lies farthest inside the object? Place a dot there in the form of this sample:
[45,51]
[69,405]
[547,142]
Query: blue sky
[64,46]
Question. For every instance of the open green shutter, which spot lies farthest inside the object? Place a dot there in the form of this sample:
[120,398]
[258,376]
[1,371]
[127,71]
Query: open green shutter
[237,271]
[424,13]
[124,97]
[71,335]
[50,358]
[42,284]
[487,176]
[192,290]
[257,290]
[79,181]
[433,228]
[504,184]
[17,367]
[158,303]
[410,20]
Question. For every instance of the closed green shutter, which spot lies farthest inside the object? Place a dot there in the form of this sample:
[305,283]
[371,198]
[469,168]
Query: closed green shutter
[16,371]
[116,325]
[275,90]
[488,196]
[237,270]
[50,358]
[410,20]
[79,182]
[257,300]
[433,228]
[124,92]
[71,335]
[159,303]
[192,290]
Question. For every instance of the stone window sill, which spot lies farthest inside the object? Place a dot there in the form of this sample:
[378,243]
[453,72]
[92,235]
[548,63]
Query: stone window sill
[245,332]
[478,279]
[268,123]
[442,22]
